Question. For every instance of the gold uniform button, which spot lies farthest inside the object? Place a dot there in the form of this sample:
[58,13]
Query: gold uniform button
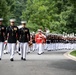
[2,28]
[15,28]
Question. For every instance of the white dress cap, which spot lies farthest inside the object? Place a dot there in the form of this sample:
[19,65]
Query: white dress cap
[1,19]
[12,20]
[39,30]
[23,21]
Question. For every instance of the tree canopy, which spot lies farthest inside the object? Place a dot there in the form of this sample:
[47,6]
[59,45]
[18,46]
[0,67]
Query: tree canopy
[56,15]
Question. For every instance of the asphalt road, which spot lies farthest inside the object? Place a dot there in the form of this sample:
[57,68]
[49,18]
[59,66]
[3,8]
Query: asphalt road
[49,63]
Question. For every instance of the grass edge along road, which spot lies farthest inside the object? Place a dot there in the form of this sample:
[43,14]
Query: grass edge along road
[73,53]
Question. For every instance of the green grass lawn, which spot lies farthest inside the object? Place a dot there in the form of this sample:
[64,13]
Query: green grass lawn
[73,53]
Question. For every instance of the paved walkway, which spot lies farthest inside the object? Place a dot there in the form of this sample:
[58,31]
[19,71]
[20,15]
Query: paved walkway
[68,55]
[49,63]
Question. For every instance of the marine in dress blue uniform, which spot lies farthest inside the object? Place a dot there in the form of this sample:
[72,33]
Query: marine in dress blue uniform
[12,37]
[2,37]
[24,38]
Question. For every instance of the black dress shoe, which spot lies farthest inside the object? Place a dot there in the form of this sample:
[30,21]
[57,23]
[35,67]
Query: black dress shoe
[19,53]
[42,52]
[39,54]
[21,58]
[24,59]
[11,59]
[0,58]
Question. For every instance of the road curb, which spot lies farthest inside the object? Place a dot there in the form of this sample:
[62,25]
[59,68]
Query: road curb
[68,55]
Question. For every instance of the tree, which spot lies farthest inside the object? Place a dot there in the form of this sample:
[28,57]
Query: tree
[39,12]
[57,15]
[15,9]
[4,11]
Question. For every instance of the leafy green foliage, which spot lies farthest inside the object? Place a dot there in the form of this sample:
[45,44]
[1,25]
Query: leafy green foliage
[73,53]
[57,15]
[4,10]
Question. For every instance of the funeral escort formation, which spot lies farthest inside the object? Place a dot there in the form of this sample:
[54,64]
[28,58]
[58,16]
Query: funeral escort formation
[14,39]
